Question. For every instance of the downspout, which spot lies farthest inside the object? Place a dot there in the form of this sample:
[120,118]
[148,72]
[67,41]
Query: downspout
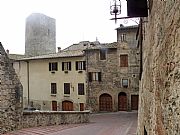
[28,81]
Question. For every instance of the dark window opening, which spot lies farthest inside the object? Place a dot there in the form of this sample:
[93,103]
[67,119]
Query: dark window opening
[102,54]
[66,66]
[80,65]
[66,88]
[80,88]
[53,66]
[53,88]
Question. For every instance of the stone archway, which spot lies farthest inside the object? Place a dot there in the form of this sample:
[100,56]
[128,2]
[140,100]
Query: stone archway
[105,102]
[122,101]
[67,106]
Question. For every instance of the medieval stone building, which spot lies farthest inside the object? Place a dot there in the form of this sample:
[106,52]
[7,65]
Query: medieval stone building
[113,73]
[159,40]
[40,35]
[10,95]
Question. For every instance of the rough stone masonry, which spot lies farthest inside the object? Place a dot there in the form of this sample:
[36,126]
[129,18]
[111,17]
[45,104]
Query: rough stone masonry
[10,95]
[159,111]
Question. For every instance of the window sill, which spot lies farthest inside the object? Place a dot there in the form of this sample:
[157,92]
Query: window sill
[53,95]
[66,95]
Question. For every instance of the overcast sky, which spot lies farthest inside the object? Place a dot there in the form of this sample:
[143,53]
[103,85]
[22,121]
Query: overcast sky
[76,20]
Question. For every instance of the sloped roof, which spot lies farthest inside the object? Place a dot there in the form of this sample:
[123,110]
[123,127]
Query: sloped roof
[16,56]
[74,53]
[127,27]
[103,46]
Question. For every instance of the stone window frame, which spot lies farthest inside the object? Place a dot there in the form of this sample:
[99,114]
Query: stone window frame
[103,54]
[125,86]
[53,88]
[53,66]
[81,89]
[67,88]
[120,60]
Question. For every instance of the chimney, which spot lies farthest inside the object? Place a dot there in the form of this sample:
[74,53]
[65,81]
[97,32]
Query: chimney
[59,49]
[7,51]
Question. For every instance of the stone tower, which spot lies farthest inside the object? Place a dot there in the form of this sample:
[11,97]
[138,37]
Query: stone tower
[40,35]
[10,95]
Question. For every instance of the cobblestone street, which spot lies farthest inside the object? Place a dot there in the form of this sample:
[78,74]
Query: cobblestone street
[119,123]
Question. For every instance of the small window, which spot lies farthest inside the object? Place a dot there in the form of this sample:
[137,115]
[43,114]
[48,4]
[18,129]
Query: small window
[80,88]
[80,65]
[66,88]
[123,37]
[94,76]
[125,83]
[53,88]
[53,66]
[66,66]
[102,54]
[124,60]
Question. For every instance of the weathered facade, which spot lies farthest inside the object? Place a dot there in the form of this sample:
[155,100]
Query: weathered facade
[10,95]
[40,35]
[159,111]
[53,82]
[113,73]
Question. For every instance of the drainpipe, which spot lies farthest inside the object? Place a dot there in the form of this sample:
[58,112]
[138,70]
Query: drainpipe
[28,81]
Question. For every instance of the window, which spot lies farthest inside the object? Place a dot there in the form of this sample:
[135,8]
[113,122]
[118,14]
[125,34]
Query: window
[53,88]
[124,60]
[66,88]
[102,54]
[94,76]
[53,66]
[123,37]
[80,65]
[125,83]
[54,105]
[80,88]
[66,66]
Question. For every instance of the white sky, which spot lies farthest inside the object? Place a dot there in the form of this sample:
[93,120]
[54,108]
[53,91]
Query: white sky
[76,20]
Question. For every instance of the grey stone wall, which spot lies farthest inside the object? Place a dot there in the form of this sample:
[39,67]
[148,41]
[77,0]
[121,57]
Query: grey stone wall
[40,35]
[159,112]
[112,74]
[42,118]
[10,95]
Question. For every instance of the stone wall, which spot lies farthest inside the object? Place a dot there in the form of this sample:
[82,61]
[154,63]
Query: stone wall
[159,112]
[112,75]
[43,118]
[10,95]
[40,36]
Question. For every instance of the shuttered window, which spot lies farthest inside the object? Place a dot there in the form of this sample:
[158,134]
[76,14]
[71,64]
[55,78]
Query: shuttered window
[53,66]
[80,65]
[66,66]
[123,60]
[94,76]
[53,88]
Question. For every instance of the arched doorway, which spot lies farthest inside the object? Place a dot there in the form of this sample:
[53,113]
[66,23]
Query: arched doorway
[67,106]
[122,101]
[105,102]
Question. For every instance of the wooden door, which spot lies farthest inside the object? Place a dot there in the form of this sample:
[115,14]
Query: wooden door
[134,102]
[67,106]
[105,102]
[122,102]
[81,106]
[54,105]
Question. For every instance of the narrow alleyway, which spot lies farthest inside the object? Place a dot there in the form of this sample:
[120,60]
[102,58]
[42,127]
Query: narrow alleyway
[118,123]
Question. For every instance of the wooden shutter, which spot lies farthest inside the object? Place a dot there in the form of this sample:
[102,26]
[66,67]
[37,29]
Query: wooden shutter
[62,66]
[70,66]
[99,76]
[76,65]
[123,60]
[90,76]
[84,65]
[49,66]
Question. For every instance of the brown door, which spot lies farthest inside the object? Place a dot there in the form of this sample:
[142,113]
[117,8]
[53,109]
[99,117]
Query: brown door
[54,105]
[122,102]
[81,106]
[67,106]
[134,102]
[105,102]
